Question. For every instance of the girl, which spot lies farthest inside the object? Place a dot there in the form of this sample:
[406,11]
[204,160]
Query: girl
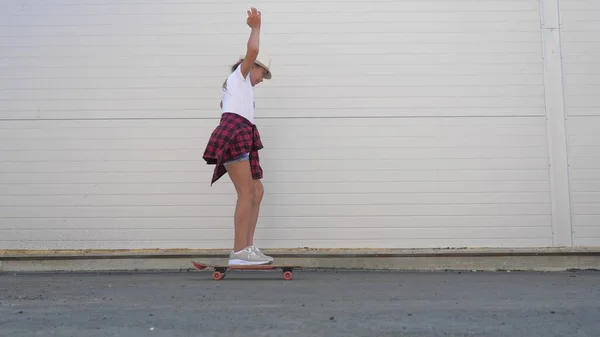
[234,144]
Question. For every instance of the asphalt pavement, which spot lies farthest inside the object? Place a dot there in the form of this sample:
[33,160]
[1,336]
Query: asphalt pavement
[315,303]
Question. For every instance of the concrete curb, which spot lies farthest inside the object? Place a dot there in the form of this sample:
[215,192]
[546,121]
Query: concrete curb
[541,259]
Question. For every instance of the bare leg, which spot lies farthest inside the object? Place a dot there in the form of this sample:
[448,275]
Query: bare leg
[240,175]
[258,195]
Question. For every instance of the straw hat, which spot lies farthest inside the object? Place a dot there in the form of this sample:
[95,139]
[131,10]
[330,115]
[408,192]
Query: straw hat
[264,62]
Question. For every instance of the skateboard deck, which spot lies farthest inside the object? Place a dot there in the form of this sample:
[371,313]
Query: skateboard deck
[220,269]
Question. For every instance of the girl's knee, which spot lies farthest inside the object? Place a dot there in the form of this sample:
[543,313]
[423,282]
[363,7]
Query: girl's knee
[247,194]
[259,190]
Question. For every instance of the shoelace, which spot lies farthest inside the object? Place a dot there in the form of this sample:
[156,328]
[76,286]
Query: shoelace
[252,252]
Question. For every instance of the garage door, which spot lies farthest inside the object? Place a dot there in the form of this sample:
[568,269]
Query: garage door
[386,124]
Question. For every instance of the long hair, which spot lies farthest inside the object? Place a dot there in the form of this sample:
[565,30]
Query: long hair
[233,68]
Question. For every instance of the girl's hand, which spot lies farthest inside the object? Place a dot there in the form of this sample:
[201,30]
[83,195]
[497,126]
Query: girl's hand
[253,18]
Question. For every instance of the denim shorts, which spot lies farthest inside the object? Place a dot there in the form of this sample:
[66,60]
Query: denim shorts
[245,156]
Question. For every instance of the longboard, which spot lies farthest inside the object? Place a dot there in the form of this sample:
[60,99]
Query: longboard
[219,270]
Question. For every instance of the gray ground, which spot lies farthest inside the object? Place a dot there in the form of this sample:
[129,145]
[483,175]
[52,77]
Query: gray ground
[315,303]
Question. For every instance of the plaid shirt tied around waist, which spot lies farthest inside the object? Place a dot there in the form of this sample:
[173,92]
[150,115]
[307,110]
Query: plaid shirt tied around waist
[233,137]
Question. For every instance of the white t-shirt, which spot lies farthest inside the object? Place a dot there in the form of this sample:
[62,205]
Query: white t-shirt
[238,96]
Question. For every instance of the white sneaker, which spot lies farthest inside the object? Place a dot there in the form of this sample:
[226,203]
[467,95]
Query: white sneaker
[247,257]
[259,253]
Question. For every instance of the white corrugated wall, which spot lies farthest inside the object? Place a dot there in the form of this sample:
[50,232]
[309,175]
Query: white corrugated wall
[387,124]
[581,59]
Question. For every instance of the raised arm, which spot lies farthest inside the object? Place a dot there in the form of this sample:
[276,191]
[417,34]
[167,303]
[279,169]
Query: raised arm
[252,50]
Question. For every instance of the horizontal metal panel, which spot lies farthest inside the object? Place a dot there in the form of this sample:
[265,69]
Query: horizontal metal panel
[586,230]
[585,186]
[288,93]
[266,223]
[281,177]
[583,68]
[582,158]
[579,37]
[268,164]
[232,51]
[216,40]
[273,199]
[443,125]
[312,106]
[574,91]
[411,171]
[238,32]
[400,174]
[586,12]
[279,211]
[590,110]
[586,197]
[272,113]
[579,5]
[586,209]
[578,26]
[581,47]
[512,159]
[222,63]
[326,147]
[205,19]
[277,234]
[202,242]
[592,174]
[286,137]
[161,111]
[201,185]
[267,7]
[581,80]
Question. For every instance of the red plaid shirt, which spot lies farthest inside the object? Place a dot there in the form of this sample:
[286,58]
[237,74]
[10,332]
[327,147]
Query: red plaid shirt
[233,137]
